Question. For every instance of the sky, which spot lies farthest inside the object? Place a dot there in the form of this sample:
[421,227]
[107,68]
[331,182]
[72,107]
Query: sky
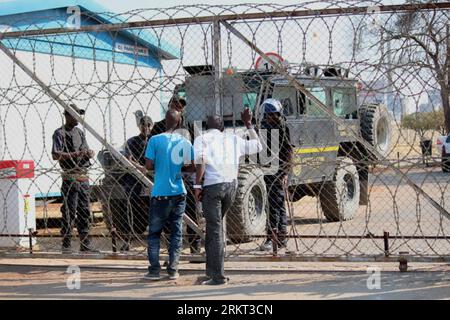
[122,6]
[288,43]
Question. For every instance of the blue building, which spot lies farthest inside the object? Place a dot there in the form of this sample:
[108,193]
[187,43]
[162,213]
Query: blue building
[112,75]
[132,47]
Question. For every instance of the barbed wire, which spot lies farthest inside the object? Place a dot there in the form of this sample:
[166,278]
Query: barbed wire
[341,198]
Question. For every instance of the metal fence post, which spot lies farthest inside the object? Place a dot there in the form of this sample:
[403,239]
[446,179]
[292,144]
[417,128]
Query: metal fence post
[217,62]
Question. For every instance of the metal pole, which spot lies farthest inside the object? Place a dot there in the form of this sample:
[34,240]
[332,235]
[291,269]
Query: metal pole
[110,113]
[282,71]
[448,68]
[448,55]
[217,62]
[30,240]
[388,64]
[301,12]
[132,169]
[386,243]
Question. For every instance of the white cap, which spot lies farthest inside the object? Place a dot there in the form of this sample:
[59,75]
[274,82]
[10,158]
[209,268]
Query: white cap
[272,106]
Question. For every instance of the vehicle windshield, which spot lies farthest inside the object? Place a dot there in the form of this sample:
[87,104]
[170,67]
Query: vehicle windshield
[343,101]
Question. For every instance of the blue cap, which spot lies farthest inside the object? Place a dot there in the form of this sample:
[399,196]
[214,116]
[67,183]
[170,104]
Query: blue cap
[272,106]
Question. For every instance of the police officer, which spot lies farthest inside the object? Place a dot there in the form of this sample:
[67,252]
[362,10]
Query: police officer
[176,103]
[134,219]
[274,120]
[71,150]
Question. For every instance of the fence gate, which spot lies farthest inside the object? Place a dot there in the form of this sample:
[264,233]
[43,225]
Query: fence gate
[360,170]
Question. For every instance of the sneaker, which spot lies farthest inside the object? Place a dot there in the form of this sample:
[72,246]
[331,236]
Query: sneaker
[283,244]
[267,246]
[212,282]
[174,275]
[152,276]
[88,248]
[86,245]
[282,240]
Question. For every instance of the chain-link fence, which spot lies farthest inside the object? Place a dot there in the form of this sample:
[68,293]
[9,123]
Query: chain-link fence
[354,165]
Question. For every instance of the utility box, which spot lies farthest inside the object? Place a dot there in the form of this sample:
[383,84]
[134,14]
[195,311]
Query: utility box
[17,203]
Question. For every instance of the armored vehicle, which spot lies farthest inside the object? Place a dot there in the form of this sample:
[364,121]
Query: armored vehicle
[328,161]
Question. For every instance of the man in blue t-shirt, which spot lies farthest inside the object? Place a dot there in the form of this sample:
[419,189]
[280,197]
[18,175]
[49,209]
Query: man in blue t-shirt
[167,154]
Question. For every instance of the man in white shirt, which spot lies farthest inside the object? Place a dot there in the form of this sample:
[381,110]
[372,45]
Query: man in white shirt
[217,157]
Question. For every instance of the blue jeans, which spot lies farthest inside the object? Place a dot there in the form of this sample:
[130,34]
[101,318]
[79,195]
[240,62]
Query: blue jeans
[166,210]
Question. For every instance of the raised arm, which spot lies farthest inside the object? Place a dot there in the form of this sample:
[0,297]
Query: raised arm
[254,144]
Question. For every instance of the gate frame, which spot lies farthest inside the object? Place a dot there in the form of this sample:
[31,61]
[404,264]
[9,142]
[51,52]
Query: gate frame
[217,21]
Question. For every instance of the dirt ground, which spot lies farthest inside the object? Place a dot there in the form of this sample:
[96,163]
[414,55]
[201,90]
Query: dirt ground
[49,279]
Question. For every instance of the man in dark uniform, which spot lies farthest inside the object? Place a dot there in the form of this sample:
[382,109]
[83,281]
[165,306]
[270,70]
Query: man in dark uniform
[134,218]
[72,151]
[273,120]
[178,103]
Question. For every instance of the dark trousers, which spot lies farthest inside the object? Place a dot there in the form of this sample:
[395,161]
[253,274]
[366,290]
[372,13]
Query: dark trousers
[130,215]
[191,211]
[75,208]
[162,211]
[277,207]
[217,200]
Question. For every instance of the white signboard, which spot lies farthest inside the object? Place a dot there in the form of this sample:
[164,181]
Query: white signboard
[263,65]
[135,50]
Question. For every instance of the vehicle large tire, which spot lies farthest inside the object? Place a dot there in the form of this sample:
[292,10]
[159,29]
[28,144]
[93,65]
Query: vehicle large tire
[445,163]
[248,215]
[376,127]
[339,198]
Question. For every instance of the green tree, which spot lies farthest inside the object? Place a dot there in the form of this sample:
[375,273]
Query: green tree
[425,37]
[439,124]
[421,122]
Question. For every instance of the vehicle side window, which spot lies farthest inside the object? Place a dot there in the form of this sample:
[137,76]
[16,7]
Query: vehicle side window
[288,107]
[312,110]
[344,101]
[288,98]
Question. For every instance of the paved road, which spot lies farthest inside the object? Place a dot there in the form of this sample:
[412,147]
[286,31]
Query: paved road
[309,282]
